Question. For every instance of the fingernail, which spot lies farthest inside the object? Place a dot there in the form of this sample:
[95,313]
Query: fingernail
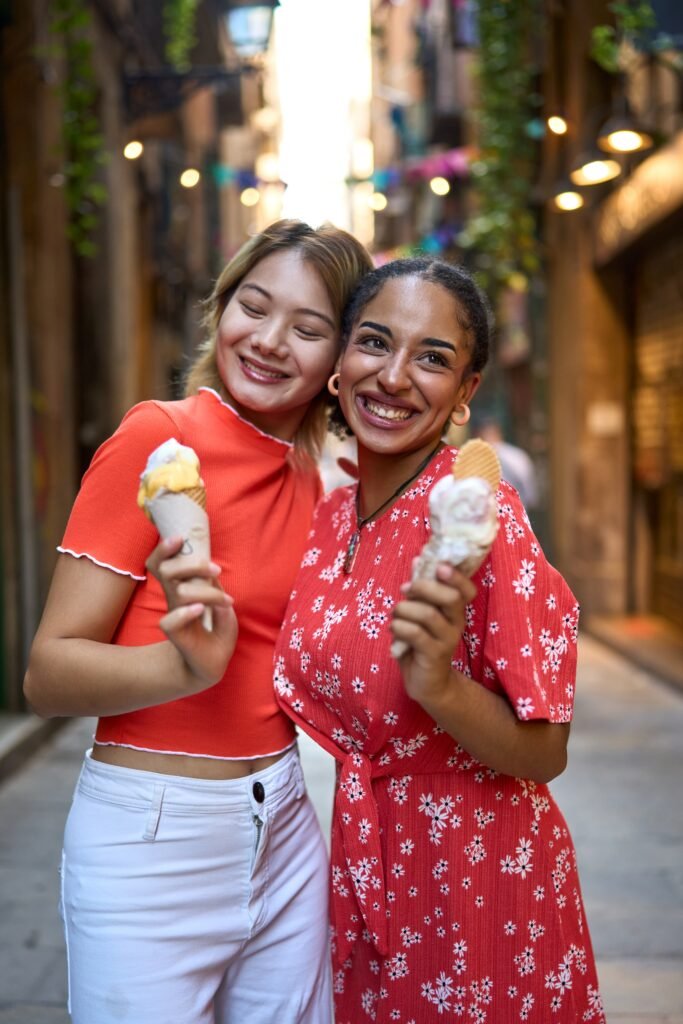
[214,567]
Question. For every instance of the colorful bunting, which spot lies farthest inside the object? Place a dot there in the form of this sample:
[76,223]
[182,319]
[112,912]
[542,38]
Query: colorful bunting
[455,163]
[243,178]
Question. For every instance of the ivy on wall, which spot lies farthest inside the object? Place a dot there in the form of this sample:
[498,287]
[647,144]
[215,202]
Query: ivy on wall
[634,25]
[179,29]
[501,232]
[82,140]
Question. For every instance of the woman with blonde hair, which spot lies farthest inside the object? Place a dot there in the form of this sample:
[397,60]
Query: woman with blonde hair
[194,872]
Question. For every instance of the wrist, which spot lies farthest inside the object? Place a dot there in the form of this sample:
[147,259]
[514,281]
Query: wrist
[184,681]
[437,700]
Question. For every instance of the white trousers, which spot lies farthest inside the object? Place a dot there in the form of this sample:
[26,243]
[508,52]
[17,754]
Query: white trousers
[188,901]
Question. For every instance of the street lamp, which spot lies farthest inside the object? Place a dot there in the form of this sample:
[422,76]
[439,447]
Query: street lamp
[594,168]
[565,197]
[249,26]
[164,89]
[622,134]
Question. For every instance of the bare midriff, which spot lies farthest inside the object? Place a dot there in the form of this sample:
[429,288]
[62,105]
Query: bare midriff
[182,764]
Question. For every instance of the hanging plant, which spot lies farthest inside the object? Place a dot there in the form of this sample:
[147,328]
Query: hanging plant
[501,233]
[82,141]
[179,29]
[634,24]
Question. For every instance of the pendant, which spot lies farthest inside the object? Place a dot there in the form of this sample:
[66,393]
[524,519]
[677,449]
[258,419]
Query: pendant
[351,551]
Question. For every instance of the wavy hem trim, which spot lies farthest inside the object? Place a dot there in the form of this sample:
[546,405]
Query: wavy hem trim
[103,565]
[287,444]
[185,753]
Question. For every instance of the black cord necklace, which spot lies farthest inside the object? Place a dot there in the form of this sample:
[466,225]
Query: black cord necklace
[362,520]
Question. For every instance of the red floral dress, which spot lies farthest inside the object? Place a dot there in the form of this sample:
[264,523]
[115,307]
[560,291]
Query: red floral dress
[454,889]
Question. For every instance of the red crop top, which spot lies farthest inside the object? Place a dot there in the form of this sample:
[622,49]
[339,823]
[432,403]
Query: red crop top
[259,507]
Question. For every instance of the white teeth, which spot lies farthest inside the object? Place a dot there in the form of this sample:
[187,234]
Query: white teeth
[387,412]
[264,373]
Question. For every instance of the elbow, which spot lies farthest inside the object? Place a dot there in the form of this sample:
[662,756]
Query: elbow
[551,768]
[549,757]
[35,694]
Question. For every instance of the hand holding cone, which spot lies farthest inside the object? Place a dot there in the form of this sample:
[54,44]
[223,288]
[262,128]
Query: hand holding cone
[464,517]
[173,496]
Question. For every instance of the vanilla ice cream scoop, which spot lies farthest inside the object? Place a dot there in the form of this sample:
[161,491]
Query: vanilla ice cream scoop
[173,496]
[463,515]
[464,522]
[172,467]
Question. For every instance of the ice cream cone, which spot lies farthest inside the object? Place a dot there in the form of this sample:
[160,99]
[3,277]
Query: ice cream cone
[478,458]
[464,517]
[173,495]
[196,494]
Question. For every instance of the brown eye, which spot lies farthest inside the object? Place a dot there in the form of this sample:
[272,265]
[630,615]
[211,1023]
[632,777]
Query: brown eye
[371,341]
[435,359]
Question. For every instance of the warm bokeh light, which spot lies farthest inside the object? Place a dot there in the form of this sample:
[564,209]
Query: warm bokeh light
[377,201]
[190,177]
[133,149]
[568,201]
[557,124]
[625,140]
[250,197]
[265,119]
[439,186]
[362,158]
[267,167]
[594,172]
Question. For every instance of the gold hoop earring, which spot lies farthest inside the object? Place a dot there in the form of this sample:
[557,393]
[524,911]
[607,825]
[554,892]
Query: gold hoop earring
[463,418]
[333,384]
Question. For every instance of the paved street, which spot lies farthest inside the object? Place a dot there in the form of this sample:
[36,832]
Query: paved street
[622,795]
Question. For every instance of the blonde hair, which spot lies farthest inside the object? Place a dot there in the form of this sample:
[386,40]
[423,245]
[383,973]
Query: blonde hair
[339,259]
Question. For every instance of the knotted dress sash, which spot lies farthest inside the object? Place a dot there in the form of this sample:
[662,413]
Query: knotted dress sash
[356,813]
[363,903]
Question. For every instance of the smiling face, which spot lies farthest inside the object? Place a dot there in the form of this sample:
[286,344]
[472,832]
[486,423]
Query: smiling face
[277,342]
[405,368]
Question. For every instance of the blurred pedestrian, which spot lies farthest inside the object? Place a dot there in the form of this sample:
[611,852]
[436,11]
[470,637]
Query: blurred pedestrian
[454,883]
[194,871]
[518,468]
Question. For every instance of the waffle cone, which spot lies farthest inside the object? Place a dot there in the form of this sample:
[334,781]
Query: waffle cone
[196,494]
[478,458]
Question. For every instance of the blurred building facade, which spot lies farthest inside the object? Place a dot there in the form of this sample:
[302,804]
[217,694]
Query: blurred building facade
[587,366]
[85,336]
[615,328]
[426,135]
